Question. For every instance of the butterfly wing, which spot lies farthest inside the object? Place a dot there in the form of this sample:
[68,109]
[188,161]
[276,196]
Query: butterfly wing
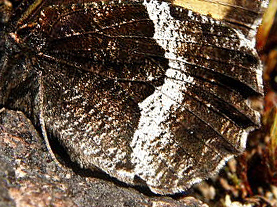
[144,90]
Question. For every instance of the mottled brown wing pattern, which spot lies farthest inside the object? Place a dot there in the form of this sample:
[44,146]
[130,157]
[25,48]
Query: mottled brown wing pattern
[120,64]
[141,89]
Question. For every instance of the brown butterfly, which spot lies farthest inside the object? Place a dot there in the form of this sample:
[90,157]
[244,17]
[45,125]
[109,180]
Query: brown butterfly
[148,91]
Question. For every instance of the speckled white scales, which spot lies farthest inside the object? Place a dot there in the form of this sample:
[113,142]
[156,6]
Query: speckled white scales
[165,99]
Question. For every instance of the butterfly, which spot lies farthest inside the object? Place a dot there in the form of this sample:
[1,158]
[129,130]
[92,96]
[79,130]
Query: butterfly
[151,92]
